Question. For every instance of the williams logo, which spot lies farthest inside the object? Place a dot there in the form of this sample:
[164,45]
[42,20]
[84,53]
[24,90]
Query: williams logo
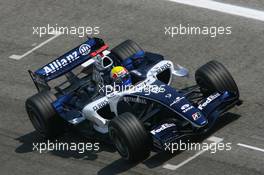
[196,116]
[84,49]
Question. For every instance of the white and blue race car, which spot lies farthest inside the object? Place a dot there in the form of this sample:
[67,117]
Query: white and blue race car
[76,88]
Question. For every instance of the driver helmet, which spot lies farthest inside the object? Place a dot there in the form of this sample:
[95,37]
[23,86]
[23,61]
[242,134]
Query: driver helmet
[121,76]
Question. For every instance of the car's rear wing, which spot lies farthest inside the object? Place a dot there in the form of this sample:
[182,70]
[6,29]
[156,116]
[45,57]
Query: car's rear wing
[67,62]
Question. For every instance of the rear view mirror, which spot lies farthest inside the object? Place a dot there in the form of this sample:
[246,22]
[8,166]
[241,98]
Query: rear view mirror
[180,71]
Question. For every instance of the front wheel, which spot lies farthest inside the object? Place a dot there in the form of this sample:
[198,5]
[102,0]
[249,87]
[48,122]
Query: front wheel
[214,77]
[129,137]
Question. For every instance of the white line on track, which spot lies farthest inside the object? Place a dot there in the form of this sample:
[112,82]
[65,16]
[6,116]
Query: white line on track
[18,57]
[250,147]
[175,167]
[225,8]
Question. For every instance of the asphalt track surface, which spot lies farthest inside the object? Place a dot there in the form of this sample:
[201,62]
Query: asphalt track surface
[143,21]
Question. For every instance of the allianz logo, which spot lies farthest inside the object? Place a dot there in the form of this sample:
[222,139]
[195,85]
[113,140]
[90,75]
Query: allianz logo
[63,62]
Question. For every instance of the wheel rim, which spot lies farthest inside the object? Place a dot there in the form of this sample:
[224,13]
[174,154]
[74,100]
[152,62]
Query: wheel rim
[119,143]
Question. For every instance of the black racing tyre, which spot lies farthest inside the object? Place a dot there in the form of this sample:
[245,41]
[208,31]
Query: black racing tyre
[214,77]
[129,137]
[43,116]
[126,49]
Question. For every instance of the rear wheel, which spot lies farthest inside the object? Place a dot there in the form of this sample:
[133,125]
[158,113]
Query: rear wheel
[43,116]
[214,77]
[126,49]
[129,137]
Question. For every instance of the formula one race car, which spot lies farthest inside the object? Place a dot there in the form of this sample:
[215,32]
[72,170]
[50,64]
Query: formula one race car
[144,116]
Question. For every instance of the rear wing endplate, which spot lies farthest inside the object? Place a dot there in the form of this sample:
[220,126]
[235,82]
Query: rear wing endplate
[40,83]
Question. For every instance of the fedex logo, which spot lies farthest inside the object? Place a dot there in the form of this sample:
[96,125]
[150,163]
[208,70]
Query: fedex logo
[208,100]
[162,127]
